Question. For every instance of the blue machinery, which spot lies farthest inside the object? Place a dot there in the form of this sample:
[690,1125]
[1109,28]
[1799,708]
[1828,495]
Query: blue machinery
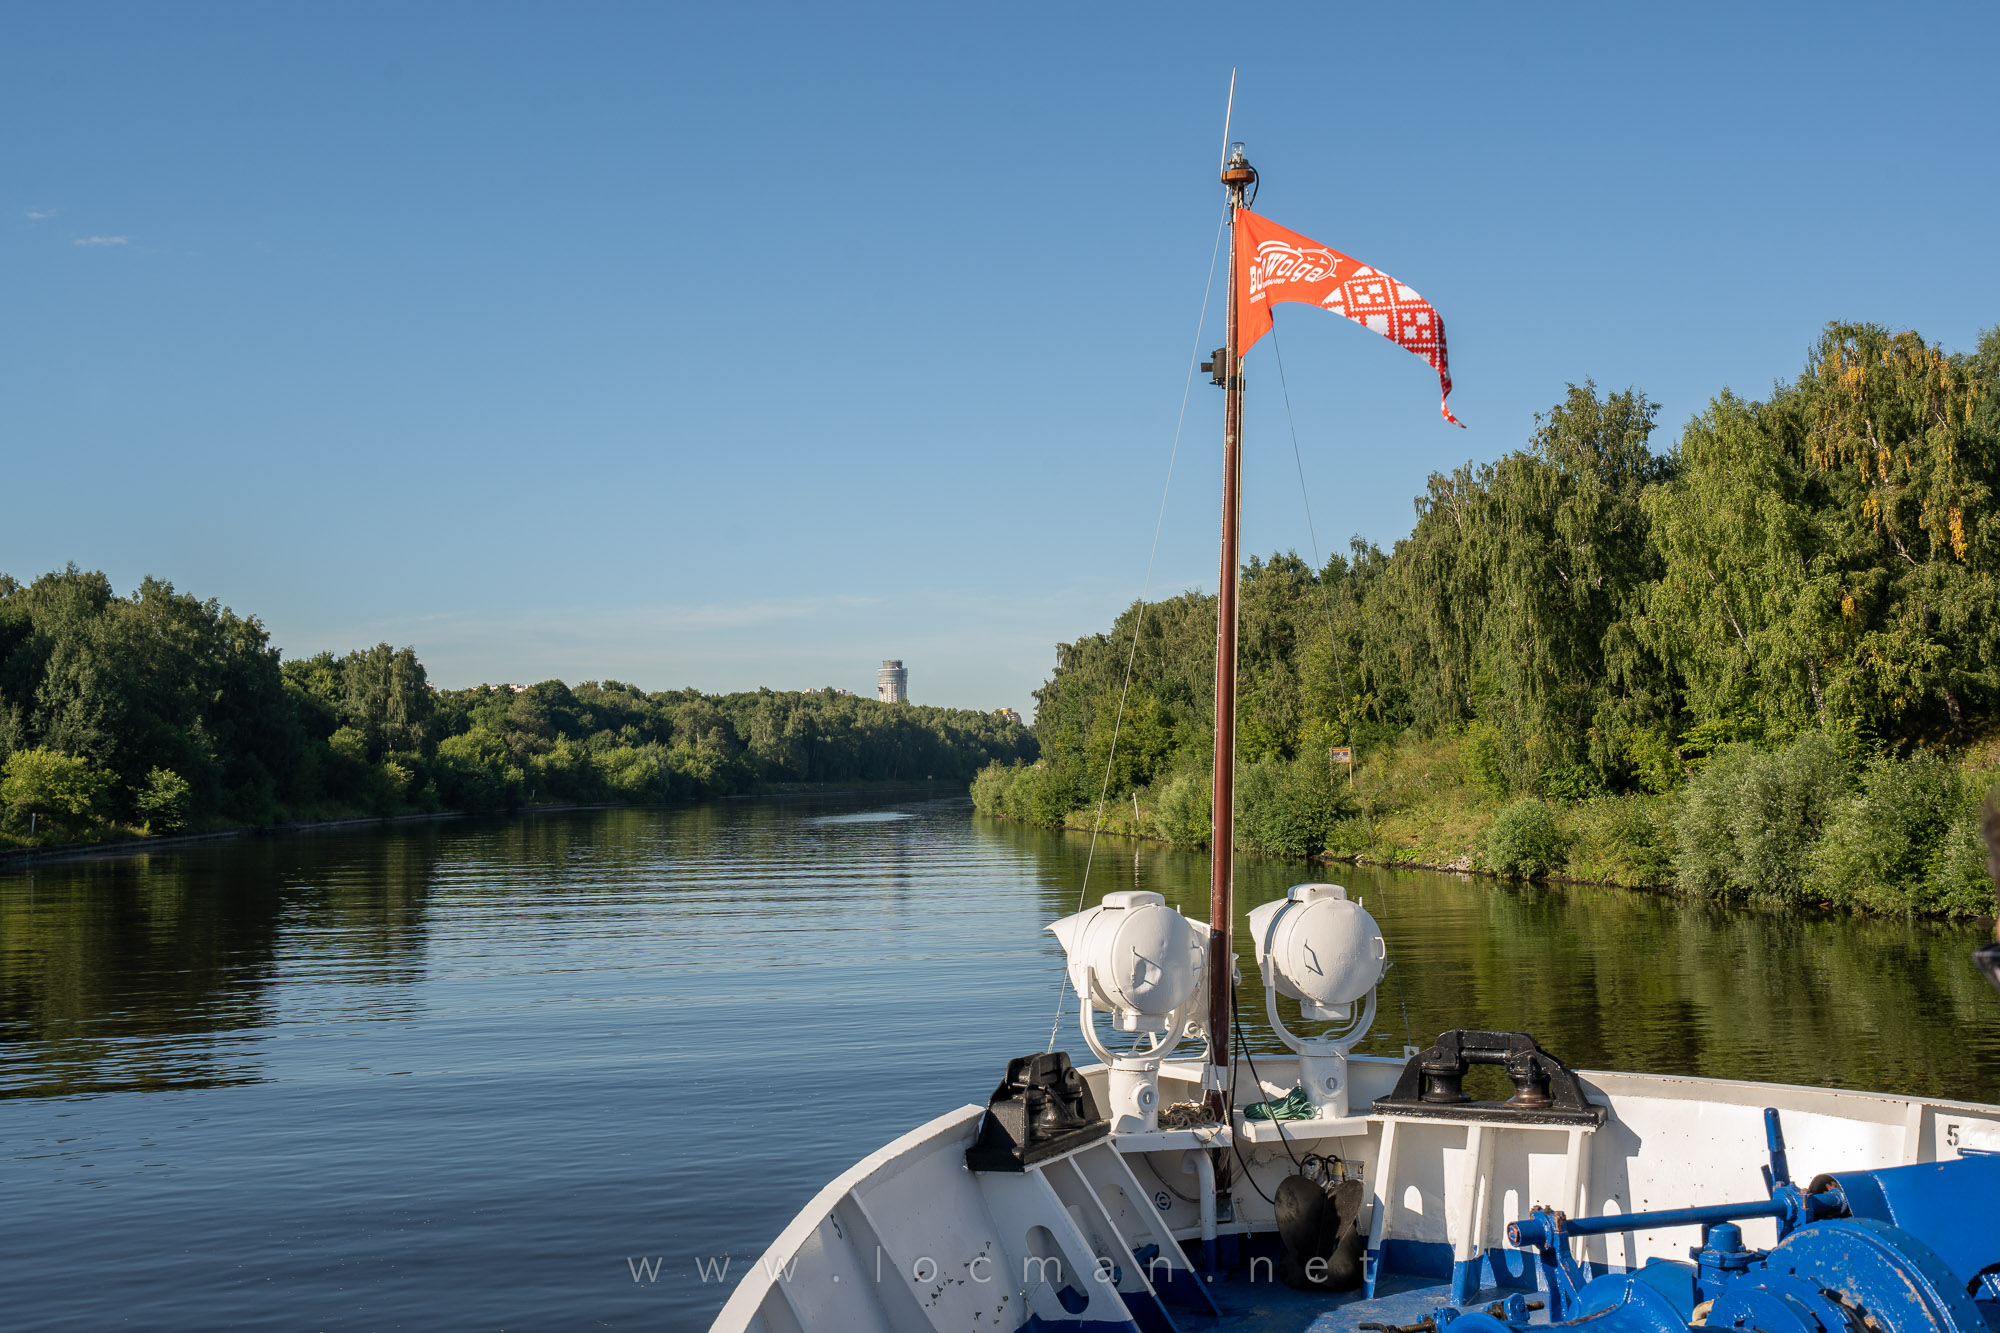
[1901,1250]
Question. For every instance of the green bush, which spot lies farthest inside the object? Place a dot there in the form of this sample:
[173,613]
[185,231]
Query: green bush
[1955,878]
[1349,837]
[1578,782]
[1483,762]
[43,788]
[1655,766]
[1749,819]
[1525,840]
[1032,793]
[1901,845]
[633,773]
[165,801]
[989,787]
[1289,808]
[1185,812]
[472,772]
[564,773]
[390,781]
[1622,839]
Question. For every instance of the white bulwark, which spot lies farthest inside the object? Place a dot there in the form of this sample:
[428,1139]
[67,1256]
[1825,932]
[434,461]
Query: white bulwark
[892,682]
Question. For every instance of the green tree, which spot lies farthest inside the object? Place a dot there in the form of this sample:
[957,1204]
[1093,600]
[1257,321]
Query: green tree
[385,697]
[165,801]
[1830,556]
[1525,576]
[49,787]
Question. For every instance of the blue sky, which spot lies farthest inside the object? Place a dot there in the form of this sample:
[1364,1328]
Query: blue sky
[728,346]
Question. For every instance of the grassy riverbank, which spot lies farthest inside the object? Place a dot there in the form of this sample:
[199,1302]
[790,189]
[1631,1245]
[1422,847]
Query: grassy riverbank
[1811,823]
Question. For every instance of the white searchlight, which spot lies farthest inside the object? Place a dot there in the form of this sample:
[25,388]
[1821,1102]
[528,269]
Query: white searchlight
[1326,952]
[1148,965]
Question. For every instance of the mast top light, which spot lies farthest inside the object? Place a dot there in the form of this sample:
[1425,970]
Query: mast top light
[1237,173]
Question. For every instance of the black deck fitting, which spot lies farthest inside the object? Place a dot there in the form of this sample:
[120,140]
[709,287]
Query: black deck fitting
[1042,1109]
[1546,1092]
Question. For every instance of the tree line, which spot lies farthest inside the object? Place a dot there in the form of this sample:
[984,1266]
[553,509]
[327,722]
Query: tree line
[161,712]
[1593,619]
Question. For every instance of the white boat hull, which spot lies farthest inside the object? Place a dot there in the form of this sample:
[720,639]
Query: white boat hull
[909,1239]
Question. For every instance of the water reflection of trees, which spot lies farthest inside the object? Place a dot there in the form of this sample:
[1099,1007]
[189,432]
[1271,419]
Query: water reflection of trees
[156,971]
[165,971]
[1613,979]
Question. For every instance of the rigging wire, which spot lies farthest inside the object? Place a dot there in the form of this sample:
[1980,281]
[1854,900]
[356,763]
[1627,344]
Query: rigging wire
[1139,620]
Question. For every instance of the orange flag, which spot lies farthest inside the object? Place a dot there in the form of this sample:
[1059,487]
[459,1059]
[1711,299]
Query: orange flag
[1274,265]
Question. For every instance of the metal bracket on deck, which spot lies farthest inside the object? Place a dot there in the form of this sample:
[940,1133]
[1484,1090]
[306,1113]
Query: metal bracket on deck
[1546,1092]
[1041,1110]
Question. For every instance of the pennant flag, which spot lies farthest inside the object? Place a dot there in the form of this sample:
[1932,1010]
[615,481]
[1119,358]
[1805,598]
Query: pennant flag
[1274,265]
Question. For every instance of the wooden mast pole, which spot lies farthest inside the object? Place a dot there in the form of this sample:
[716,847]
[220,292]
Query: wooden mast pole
[1236,175]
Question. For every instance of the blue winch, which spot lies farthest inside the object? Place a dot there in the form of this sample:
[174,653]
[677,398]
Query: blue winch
[1900,1250]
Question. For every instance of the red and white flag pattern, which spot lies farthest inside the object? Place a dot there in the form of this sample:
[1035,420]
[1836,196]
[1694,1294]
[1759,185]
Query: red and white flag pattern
[1274,265]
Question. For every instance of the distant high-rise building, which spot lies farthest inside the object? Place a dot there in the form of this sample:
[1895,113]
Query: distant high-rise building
[892,682]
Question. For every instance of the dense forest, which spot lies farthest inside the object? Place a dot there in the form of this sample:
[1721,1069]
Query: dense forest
[1761,663]
[159,712]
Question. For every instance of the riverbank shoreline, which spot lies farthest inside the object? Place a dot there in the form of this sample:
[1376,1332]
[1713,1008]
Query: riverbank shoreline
[1463,865]
[1806,823]
[1464,868]
[140,845]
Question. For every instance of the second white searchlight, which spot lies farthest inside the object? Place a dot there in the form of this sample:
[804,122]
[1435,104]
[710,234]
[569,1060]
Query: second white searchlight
[1316,946]
[1148,965]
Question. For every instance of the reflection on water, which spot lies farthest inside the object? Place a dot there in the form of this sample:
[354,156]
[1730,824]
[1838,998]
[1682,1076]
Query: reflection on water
[464,1073]
[865,817]
[154,972]
[1612,979]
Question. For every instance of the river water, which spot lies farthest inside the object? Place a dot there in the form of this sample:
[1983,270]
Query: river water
[534,1073]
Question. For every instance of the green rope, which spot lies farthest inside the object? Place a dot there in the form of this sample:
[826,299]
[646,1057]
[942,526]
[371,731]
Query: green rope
[1294,1105]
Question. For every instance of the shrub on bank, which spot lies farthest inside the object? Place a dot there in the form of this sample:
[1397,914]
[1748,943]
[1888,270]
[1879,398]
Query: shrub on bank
[1801,823]
[1891,847]
[42,788]
[1525,840]
[164,802]
[1956,879]
[1621,840]
[1289,808]
[1032,793]
[1748,822]
[1185,812]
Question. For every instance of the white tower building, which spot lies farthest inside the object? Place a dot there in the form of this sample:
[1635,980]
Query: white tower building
[892,682]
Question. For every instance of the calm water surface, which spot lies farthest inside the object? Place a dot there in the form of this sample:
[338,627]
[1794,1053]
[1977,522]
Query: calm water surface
[468,1075]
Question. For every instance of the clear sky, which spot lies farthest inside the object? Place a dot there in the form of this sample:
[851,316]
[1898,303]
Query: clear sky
[730,346]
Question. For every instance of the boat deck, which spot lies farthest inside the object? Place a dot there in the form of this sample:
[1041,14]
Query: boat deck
[1267,1307]
[911,1237]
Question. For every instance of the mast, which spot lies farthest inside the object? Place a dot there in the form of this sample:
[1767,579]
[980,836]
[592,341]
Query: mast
[1237,174]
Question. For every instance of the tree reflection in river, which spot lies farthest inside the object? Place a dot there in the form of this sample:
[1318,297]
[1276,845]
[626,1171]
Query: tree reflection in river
[1615,979]
[158,971]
